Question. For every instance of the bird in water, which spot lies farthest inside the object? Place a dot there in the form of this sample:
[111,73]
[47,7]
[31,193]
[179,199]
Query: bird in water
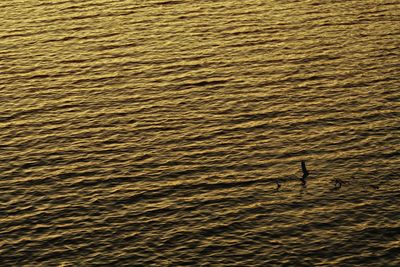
[278,185]
[373,186]
[305,173]
[338,182]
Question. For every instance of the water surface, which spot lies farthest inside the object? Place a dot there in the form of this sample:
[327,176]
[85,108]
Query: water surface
[151,133]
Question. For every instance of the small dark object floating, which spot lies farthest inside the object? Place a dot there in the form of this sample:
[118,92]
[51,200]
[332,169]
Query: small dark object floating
[305,173]
[338,182]
[278,185]
[304,169]
[374,186]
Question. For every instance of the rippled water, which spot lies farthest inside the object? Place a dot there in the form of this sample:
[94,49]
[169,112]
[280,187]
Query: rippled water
[151,133]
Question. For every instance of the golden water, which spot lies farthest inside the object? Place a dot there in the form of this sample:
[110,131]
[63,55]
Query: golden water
[151,133]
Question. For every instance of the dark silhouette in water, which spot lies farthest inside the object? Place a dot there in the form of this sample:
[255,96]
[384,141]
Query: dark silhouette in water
[305,173]
[338,182]
[278,185]
[374,186]
[304,169]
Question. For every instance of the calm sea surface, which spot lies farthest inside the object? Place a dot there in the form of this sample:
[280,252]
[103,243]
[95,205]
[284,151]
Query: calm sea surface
[152,133]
